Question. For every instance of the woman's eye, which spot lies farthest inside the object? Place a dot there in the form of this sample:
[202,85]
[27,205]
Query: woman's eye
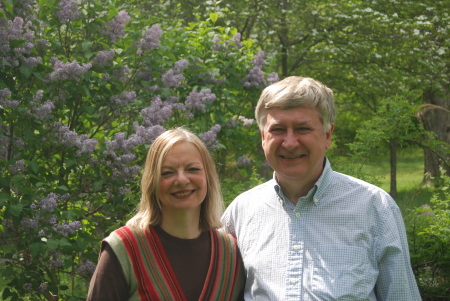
[193,169]
[166,173]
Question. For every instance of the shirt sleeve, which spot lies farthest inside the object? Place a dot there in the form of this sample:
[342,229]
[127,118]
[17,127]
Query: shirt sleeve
[396,280]
[108,281]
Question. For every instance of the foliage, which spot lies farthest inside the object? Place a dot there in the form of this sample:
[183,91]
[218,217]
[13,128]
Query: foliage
[395,121]
[429,240]
[86,87]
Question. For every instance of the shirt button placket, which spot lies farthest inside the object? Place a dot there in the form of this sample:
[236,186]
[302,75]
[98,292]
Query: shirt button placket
[295,259]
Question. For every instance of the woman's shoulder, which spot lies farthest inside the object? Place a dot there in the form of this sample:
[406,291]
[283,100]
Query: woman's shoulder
[224,237]
[123,234]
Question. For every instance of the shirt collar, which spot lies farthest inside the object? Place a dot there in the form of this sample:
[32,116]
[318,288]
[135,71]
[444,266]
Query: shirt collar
[314,195]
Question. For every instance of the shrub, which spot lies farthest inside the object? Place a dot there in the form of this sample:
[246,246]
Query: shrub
[429,240]
[86,87]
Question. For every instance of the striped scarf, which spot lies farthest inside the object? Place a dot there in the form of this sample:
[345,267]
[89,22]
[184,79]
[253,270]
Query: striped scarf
[151,277]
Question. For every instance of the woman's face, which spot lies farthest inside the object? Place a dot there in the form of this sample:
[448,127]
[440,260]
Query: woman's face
[183,183]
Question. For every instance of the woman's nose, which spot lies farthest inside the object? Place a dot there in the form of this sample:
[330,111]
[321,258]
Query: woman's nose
[181,179]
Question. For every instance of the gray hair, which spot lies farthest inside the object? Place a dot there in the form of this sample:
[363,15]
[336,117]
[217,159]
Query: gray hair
[297,91]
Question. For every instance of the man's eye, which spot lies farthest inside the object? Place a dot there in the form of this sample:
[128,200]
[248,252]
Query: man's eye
[276,130]
[304,130]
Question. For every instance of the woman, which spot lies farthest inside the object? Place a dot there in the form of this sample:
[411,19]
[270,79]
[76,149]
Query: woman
[171,249]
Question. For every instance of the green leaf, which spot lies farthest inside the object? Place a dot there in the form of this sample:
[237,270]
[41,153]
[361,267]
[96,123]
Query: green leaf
[15,209]
[37,248]
[214,17]
[52,244]
[98,186]
[26,71]
[34,166]
[63,188]
[86,45]
[3,198]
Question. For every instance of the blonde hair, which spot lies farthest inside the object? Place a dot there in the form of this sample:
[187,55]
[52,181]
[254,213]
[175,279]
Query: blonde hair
[149,209]
[297,91]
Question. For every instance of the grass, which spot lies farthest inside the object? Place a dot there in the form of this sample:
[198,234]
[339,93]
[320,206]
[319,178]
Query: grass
[410,168]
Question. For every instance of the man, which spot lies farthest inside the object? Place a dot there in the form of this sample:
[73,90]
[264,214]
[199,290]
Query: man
[311,233]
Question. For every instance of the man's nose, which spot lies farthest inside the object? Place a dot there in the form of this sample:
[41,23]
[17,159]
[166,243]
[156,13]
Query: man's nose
[290,140]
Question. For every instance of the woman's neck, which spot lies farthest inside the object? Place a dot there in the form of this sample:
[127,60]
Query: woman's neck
[181,225]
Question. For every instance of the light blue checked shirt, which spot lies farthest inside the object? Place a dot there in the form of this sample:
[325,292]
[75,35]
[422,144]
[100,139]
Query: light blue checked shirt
[345,240]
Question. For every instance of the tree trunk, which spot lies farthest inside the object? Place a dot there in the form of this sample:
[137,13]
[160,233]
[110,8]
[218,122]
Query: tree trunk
[393,159]
[436,118]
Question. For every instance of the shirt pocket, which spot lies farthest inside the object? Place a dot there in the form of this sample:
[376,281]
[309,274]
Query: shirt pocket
[340,273]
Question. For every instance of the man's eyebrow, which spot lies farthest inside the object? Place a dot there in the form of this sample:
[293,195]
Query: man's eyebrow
[304,122]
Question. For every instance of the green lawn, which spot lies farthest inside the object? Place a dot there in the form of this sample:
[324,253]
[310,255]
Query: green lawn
[409,177]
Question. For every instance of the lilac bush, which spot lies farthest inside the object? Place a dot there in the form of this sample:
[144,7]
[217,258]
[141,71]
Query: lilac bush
[85,90]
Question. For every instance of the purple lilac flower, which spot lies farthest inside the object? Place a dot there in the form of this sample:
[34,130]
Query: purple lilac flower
[217,43]
[234,42]
[243,161]
[124,98]
[147,134]
[246,121]
[49,203]
[65,228]
[15,29]
[71,139]
[150,39]
[157,113]
[30,223]
[124,191]
[42,288]
[18,30]
[121,73]
[181,65]
[53,220]
[198,100]
[42,111]
[231,123]
[24,8]
[210,137]
[56,263]
[28,287]
[173,77]
[86,269]
[68,71]
[68,11]
[38,96]
[5,102]
[114,29]
[212,78]
[17,167]
[255,76]
[103,57]
[31,61]
[272,77]
[87,146]
[119,163]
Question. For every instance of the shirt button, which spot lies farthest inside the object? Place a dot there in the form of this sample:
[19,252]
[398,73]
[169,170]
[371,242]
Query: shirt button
[292,280]
[297,214]
[296,247]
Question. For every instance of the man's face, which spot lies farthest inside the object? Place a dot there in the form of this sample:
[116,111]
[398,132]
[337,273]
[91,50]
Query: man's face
[294,143]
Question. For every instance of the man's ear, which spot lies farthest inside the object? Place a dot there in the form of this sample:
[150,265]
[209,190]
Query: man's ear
[262,137]
[329,135]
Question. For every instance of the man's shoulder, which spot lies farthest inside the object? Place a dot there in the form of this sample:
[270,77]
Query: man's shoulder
[360,189]
[258,190]
[254,196]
